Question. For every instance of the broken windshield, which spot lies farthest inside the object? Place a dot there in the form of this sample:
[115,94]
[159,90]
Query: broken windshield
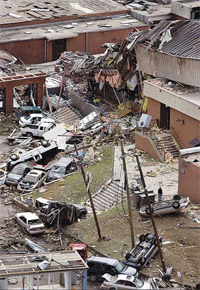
[58,169]
[31,178]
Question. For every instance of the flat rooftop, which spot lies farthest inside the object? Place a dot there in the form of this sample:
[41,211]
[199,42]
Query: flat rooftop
[153,13]
[15,265]
[19,11]
[188,93]
[67,29]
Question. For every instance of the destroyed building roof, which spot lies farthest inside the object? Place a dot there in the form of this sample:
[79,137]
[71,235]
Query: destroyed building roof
[24,11]
[180,39]
[67,29]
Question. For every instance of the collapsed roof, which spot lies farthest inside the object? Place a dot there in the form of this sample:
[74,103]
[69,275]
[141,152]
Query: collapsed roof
[180,39]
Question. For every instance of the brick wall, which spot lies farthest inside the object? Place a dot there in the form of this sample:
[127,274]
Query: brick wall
[189,180]
[153,110]
[30,51]
[187,131]
[144,144]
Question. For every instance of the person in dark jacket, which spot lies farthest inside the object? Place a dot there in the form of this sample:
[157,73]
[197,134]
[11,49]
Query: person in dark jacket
[160,194]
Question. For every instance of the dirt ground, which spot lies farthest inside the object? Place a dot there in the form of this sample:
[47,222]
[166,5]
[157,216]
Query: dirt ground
[180,236]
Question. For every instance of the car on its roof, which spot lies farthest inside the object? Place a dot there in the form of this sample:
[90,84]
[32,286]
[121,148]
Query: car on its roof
[30,222]
[17,173]
[143,252]
[34,179]
[123,282]
[98,266]
[176,204]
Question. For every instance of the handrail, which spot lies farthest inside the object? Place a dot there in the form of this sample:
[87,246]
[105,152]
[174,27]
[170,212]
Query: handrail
[177,138]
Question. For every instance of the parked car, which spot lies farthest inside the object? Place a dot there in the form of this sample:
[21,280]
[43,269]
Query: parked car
[98,266]
[124,282]
[61,167]
[143,252]
[37,130]
[30,222]
[166,206]
[17,173]
[34,179]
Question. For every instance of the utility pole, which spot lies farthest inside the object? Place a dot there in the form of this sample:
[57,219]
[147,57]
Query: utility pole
[90,196]
[151,215]
[128,196]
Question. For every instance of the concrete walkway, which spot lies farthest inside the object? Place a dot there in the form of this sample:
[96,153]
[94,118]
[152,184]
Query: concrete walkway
[166,175]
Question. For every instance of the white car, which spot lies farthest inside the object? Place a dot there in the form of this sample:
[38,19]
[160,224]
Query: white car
[30,222]
[37,130]
[124,282]
[31,119]
[34,179]
[176,204]
[35,118]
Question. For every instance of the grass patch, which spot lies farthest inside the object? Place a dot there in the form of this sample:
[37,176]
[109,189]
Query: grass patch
[72,188]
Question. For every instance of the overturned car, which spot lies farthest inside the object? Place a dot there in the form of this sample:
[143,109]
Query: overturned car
[143,252]
[61,213]
[166,206]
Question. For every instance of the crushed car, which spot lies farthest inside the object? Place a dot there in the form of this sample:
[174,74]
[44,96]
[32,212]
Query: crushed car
[174,205]
[60,168]
[98,266]
[17,173]
[61,213]
[30,222]
[80,248]
[123,282]
[34,179]
[143,252]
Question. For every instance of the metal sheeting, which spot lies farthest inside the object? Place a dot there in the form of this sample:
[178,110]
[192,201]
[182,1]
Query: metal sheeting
[185,42]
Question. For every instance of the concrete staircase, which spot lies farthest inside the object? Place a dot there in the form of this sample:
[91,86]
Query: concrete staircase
[165,143]
[108,195]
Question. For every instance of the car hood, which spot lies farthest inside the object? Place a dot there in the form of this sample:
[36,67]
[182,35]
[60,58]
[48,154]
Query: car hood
[14,176]
[130,271]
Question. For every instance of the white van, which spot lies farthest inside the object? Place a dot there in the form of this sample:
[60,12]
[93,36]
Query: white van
[36,130]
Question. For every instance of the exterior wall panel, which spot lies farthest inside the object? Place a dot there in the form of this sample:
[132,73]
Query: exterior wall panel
[162,65]
[189,180]
[30,51]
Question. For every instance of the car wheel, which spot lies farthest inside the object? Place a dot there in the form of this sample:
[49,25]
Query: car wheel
[142,238]
[29,134]
[176,197]
[148,211]
[112,288]
[142,260]
[14,157]
[128,256]
[93,278]
[82,215]
[176,204]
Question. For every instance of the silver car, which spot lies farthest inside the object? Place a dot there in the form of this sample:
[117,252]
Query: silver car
[166,206]
[30,222]
[124,282]
[34,179]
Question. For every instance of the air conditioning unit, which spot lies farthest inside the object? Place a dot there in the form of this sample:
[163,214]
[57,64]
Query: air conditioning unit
[144,121]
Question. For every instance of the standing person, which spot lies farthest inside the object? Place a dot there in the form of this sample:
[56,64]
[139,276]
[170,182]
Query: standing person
[160,194]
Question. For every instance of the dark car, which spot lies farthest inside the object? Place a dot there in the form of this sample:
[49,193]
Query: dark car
[143,252]
[17,173]
[99,266]
[61,167]
[66,213]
